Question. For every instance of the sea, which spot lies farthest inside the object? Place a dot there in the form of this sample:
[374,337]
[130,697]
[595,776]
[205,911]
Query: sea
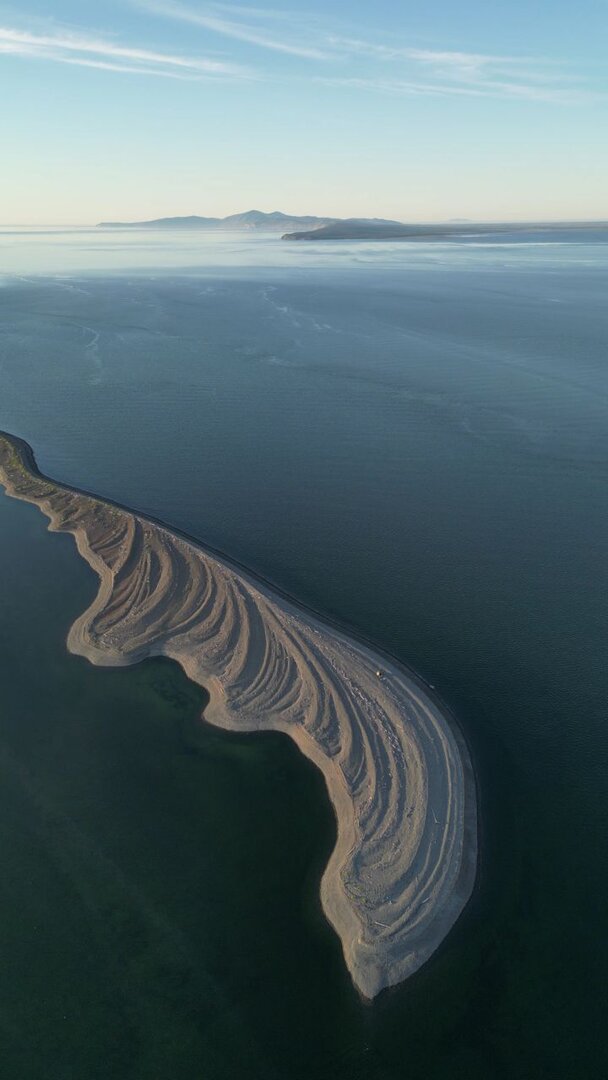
[411,438]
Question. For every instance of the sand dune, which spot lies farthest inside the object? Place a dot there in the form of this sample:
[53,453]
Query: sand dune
[398,773]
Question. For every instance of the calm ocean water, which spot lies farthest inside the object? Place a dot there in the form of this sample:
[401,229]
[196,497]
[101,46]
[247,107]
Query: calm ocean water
[412,438]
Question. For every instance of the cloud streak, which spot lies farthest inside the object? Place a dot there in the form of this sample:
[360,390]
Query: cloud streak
[377,65]
[460,74]
[220,20]
[383,66]
[489,88]
[94,52]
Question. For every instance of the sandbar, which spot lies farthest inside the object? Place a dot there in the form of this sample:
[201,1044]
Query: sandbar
[395,764]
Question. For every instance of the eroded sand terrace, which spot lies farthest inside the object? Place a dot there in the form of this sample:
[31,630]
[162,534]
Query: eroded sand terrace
[397,771]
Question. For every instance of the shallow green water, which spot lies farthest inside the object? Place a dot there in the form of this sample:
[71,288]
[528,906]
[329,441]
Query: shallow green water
[418,449]
[155,907]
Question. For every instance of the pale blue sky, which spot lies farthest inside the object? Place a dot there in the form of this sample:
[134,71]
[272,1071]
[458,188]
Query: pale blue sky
[397,108]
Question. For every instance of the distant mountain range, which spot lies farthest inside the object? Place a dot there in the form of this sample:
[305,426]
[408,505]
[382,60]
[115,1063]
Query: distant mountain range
[323,228]
[292,228]
[250,221]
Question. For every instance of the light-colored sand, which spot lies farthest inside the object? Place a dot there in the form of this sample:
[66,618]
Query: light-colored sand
[397,772]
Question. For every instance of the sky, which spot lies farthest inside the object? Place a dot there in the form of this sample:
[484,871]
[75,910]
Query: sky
[421,111]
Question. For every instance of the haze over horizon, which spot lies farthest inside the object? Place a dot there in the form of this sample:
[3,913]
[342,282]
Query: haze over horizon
[154,108]
[163,220]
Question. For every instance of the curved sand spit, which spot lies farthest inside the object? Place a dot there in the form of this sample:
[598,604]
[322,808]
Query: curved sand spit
[397,771]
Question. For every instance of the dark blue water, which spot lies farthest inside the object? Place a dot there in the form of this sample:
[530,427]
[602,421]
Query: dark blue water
[414,440]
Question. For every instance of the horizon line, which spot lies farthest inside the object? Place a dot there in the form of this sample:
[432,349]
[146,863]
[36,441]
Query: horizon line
[332,217]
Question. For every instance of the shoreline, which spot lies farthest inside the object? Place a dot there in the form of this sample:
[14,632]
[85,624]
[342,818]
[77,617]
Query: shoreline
[392,755]
[341,626]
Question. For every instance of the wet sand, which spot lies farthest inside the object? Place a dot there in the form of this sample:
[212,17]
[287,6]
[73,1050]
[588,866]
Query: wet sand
[397,770]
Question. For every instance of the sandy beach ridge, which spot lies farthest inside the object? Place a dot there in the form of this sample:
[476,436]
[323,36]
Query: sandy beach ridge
[397,770]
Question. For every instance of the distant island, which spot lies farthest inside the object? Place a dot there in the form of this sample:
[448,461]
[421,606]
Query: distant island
[250,221]
[396,767]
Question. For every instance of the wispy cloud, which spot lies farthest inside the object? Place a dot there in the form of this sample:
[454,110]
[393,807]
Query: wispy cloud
[468,74]
[382,64]
[341,56]
[75,48]
[489,88]
[260,29]
[485,69]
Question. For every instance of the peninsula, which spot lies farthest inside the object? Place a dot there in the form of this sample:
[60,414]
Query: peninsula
[396,767]
[378,229]
[368,229]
